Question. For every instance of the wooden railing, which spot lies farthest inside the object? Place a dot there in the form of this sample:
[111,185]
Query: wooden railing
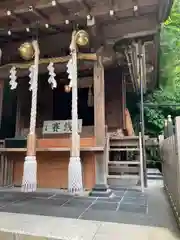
[106,153]
[6,169]
[170,155]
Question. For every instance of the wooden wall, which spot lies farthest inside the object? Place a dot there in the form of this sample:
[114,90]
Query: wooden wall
[52,169]
[113,99]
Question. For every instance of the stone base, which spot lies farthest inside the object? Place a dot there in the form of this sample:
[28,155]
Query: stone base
[101,190]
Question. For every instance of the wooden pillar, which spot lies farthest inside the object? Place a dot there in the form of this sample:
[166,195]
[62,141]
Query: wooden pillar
[99,103]
[123,93]
[99,120]
[1,98]
[18,118]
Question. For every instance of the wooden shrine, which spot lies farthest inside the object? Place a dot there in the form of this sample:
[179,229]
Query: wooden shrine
[122,37]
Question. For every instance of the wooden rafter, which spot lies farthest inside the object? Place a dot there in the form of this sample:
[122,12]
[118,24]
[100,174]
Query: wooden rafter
[18,18]
[40,6]
[63,10]
[85,5]
[39,14]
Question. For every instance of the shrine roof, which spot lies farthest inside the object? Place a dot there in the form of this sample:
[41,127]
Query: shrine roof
[54,21]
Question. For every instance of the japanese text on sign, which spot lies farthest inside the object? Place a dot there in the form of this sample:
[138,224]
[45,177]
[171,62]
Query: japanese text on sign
[60,126]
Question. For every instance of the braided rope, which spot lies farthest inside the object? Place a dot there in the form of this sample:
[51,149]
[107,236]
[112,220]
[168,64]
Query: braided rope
[74,103]
[34,90]
[75,183]
[80,56]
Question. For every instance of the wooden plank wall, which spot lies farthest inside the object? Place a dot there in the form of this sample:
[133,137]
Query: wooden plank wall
[52,169]
[113,99]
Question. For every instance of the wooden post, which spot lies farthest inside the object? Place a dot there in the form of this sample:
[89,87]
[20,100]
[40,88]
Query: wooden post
[123,91]
[18,117]
[99,103]
[100,188]
[1,98]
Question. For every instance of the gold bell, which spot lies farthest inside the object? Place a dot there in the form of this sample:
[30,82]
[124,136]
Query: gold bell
[26,51]
[82,38]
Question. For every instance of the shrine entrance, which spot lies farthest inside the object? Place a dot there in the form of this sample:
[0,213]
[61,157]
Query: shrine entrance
[62,105]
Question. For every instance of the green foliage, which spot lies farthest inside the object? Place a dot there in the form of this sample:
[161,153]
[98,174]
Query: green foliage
[169,82]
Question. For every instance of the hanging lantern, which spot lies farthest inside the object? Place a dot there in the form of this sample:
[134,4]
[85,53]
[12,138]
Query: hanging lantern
[82,38]
[67,88]
[26,51]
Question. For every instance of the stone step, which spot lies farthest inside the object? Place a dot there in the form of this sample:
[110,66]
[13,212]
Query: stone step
[124,162]
[123,180]
[123,169]
[123,149]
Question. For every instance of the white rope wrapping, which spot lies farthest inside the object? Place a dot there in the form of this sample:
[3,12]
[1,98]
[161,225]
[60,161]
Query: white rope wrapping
[34,89]
[75,184]
[74,103]
[29,181]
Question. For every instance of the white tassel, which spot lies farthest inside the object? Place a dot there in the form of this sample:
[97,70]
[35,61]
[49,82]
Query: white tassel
[75,175]
[13,84]
[75,184]
[29,175]
[52,74]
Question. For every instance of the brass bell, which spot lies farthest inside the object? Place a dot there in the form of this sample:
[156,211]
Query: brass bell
[26,51]
[82,38]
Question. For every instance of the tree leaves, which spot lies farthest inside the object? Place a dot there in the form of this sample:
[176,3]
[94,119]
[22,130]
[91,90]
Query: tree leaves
[168,93]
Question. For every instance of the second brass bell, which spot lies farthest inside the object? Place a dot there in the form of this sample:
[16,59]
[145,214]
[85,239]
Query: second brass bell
[82,38]
[26,51]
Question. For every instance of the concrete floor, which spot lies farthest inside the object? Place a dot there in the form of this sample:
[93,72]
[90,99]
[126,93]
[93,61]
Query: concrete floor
[129,215]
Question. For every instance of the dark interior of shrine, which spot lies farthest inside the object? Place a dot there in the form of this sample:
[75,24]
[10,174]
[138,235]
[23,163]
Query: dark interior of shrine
[60,108]
[8,121]
[62,105]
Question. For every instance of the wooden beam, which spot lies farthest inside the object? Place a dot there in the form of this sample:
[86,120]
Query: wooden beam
[18,18]
[63,10]
[85,5]
[55,19]
[99,102]
[140,26]
[99,121]
[39,14]
[96,34]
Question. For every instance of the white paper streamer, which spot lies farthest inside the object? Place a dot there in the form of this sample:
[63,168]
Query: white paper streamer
[13,84]
[70,71]
[51,80]
[31,74]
